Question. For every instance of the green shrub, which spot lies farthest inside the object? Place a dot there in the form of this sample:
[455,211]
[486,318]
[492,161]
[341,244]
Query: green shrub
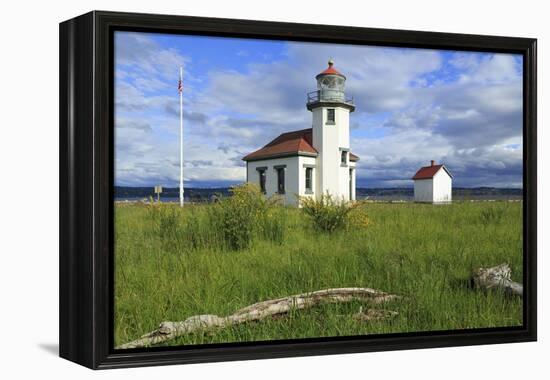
[231,223]
[357,217]
[166,222]
[327,213]
[240,215]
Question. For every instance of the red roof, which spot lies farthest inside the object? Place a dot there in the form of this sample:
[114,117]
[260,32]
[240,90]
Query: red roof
[330,70]
[428,172]
[289,144]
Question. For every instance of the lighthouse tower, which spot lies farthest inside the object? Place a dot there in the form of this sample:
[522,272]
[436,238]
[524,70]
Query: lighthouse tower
[314,161]
[331,137]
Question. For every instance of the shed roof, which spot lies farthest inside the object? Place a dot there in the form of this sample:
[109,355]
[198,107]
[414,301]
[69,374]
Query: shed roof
[428,172]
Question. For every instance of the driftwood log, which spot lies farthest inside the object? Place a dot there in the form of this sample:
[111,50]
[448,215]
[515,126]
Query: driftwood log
[498,278]
[265,309]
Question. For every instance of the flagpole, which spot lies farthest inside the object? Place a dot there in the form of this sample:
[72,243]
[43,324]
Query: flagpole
[181,135]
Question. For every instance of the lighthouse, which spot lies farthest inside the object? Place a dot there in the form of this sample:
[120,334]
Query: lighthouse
[313,161]
[331,110]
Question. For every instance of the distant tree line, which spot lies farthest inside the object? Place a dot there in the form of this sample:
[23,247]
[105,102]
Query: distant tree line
[207,194]
[193,194]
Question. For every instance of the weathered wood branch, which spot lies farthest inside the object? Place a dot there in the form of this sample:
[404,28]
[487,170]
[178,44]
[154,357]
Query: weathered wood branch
[261,310]
[499,278]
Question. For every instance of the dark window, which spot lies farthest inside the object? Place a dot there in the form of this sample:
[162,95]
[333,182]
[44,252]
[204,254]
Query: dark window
[344,157]
[281,180]
[262,175]
[309,173]
[330,116]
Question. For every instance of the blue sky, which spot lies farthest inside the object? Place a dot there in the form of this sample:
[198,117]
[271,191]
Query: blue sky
[413,105]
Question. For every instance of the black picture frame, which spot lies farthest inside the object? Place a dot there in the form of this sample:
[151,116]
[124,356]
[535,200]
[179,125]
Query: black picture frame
[86,188]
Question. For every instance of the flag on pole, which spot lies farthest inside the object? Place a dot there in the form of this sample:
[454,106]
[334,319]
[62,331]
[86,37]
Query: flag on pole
[180,90]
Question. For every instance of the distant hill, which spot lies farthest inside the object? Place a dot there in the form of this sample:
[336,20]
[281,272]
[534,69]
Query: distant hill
[397,193]
[458,192]
[195,194]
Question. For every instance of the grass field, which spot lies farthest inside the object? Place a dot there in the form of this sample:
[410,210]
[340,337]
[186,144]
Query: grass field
[423,252]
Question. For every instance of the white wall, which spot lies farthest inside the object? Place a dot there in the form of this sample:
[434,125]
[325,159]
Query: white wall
[291,177]
[423,190]
[343,180]
[342,116]
[318,116]
[442,187]
[328,139]
[353,166]
[295,176]
[30,292]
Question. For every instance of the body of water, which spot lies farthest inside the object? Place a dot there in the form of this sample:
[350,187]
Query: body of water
[378,198]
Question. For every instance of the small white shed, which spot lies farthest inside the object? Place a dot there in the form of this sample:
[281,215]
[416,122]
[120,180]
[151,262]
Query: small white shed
[433,184]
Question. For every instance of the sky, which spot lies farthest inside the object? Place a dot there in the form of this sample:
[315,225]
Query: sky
[463,109]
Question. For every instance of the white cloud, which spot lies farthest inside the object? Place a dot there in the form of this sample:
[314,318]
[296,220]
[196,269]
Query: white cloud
[469,123]
[492,69]
[147,58]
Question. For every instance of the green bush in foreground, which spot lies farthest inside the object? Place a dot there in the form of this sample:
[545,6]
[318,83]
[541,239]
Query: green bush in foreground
[248,214]
[239,215]
[232,223]
[327,213]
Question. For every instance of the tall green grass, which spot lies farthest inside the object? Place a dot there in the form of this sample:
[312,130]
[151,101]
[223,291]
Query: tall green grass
[172,263]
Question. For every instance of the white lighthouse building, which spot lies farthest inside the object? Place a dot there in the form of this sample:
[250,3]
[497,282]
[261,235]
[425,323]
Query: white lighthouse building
[313,161]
